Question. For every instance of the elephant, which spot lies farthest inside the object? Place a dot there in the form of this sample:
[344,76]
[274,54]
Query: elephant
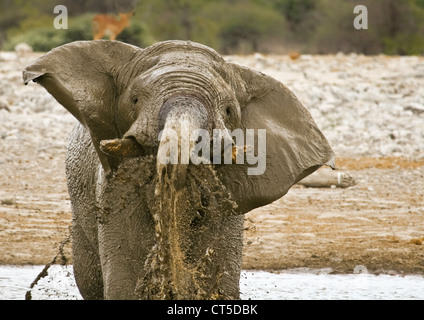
[144,227]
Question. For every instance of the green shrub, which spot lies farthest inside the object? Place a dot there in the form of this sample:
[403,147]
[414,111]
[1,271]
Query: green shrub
[404,44]
[46,37]
[242,28]
[40,39]
[80,28]
[136,34]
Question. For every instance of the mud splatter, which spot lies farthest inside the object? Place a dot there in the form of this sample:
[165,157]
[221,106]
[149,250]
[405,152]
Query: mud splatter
[179,266]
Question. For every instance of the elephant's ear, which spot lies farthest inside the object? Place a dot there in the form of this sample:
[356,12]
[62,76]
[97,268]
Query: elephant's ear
[295,147]
[82,77]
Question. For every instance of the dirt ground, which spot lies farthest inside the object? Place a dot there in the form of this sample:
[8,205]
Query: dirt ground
[378,222]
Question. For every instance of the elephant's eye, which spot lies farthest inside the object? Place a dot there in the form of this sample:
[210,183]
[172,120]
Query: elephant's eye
[228,111]
[134,100]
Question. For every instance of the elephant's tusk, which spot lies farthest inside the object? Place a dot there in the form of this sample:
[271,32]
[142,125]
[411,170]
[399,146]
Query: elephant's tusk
[239,150]
[126,147]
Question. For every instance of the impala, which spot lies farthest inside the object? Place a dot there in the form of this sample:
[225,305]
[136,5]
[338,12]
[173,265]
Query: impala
[107,25]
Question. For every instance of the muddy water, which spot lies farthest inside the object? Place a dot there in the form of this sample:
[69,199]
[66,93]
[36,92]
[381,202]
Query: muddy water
[263,285]
[191,264]
[256,285]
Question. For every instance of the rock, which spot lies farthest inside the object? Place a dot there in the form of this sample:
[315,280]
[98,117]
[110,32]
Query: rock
[22,49]
[360,269]
[8,202]
[4,106]
[415,109]
[7,56]
[260,61]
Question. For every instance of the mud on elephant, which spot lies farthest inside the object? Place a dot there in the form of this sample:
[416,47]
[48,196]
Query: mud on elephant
[147,222]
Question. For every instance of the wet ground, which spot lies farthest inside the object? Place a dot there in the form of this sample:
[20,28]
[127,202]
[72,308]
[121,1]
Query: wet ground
[300,284]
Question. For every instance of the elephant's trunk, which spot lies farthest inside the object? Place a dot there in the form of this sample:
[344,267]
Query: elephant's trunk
[175,270]
[180,117]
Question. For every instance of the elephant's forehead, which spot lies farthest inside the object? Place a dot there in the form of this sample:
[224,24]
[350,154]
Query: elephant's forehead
[184,59]
[182,76]
[177,49]
[182,65]
[189,68]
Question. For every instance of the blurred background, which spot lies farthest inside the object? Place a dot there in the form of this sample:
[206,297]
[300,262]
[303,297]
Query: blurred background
[396,27]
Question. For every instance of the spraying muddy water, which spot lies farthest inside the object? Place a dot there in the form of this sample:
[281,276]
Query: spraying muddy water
[192,264]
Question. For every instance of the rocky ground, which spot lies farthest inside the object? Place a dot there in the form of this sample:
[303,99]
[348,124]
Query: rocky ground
[371,109]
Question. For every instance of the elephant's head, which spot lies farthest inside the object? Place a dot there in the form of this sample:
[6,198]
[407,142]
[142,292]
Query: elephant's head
[162,103]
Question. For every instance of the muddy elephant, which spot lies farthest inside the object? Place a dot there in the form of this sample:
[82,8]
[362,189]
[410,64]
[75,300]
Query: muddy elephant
[149,220]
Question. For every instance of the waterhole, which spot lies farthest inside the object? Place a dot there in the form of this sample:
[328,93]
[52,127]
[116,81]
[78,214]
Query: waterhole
[256,285]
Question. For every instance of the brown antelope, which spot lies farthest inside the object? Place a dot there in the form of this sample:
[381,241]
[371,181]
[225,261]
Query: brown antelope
[106,25]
